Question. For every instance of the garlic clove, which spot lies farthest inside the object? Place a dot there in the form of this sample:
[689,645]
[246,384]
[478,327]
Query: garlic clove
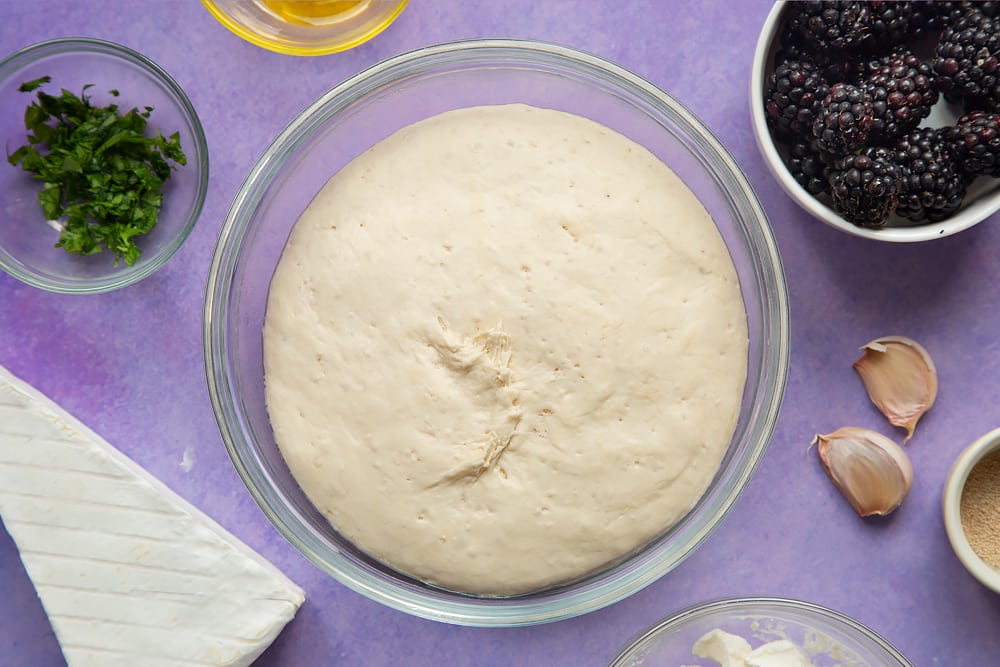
[872,471]
[900,379]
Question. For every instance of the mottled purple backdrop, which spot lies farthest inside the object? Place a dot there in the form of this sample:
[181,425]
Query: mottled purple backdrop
[129,363]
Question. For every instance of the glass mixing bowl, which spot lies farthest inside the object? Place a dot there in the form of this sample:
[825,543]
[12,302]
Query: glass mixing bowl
[367,108]
[829,638]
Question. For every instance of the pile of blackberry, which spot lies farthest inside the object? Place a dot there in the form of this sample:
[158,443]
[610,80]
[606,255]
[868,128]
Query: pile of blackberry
[848,96]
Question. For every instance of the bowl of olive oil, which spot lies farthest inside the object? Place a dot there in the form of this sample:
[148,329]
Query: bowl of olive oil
[306,27]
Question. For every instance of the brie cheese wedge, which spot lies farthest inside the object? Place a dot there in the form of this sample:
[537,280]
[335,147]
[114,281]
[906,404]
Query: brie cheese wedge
[128,572]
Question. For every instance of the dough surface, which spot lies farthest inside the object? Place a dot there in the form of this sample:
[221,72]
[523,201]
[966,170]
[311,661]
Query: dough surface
[504,348]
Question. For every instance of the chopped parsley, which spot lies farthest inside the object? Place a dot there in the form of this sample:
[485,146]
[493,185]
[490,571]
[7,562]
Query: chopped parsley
[102,175]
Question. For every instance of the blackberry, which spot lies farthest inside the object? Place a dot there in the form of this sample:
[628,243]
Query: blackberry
[975,143]
[890,21]
[825,25]
[967,61]
[806,165]
[794,93]
[844,120]
[951,11]
[901,87]
[989,7]
[926,19]
[835,66]
[865,187]
[933,182]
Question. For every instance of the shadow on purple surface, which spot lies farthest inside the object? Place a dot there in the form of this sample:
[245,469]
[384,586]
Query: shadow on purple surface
[893,277]
[17,592]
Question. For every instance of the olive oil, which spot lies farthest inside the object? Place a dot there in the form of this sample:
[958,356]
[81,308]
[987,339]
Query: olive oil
[316,12]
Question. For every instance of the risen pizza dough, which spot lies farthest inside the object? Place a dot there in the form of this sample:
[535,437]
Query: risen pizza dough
[504,348]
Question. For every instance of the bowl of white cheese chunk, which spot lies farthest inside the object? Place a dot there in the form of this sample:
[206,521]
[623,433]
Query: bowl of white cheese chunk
[496,332]
[759,632]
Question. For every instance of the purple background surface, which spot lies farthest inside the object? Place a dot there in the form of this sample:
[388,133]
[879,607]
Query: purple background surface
[129,363]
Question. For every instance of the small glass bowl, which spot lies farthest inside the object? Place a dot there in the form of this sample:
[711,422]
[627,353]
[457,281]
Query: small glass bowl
[306,27]
[829,638]
[27,239]
[981,202]
[952,507]
[367,108]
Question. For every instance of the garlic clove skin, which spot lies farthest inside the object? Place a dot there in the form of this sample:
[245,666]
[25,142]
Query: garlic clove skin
[872,472]
[900,378]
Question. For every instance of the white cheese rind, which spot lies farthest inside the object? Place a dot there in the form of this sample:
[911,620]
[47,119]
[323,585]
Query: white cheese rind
[128,572]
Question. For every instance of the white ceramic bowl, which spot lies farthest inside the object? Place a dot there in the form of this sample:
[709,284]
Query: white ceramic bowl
[982,201]
[953,488]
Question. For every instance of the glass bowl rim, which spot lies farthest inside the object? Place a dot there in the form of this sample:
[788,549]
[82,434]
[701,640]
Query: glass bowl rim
[68,45]
[465,610]
[748,605]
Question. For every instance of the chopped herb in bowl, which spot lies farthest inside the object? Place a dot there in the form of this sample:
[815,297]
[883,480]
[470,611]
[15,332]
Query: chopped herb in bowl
[102,174]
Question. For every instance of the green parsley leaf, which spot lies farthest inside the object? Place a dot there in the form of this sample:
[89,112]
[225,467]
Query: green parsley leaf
[29,86]
[102,176]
